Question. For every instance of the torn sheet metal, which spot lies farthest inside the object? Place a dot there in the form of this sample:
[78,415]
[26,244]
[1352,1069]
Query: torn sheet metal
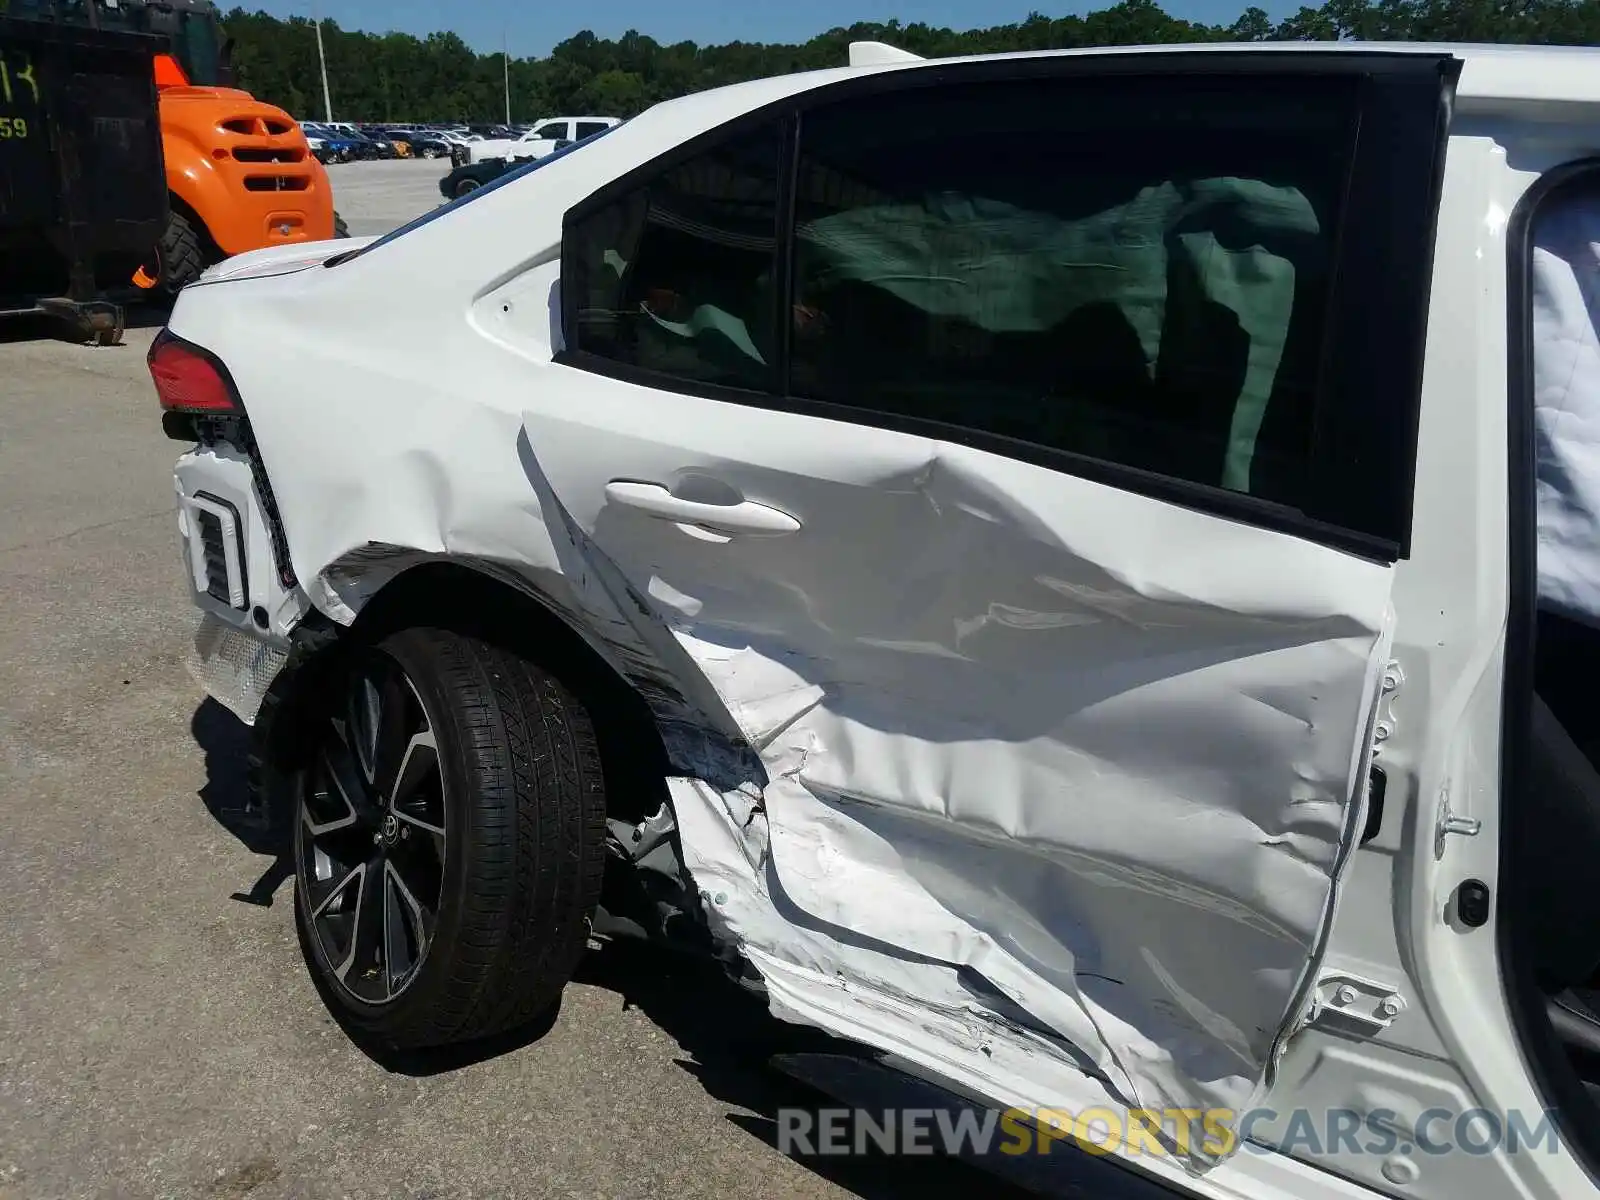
[234,666]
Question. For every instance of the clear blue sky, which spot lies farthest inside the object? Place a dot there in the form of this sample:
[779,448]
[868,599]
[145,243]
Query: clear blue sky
[533,28]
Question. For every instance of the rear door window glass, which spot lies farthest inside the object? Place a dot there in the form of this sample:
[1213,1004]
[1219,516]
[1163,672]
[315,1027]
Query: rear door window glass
[1135,270]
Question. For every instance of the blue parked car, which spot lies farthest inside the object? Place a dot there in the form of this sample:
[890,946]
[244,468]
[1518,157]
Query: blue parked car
[337,144]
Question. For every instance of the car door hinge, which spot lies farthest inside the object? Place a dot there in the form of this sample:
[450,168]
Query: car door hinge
[1349,1004]
[1394,678]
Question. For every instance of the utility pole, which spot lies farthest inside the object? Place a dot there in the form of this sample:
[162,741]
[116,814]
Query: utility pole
[505,59]
[322,60]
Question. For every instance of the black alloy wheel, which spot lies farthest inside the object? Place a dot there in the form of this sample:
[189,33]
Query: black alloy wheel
[449,828]
[371,837]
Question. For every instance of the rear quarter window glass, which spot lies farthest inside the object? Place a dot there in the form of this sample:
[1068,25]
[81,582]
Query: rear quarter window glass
[679,276]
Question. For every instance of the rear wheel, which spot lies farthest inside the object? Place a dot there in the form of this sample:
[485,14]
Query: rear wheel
[182,253]
[449,839]
[340,228]
[467,186]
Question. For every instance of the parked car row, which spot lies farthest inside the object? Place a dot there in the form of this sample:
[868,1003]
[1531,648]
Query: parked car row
[346,142]
[339,143]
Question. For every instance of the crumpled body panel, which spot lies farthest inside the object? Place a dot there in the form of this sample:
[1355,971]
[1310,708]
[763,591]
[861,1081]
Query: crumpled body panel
[1069,766]
[1144,881]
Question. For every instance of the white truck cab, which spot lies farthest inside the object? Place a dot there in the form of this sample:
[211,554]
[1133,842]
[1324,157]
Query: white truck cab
[542,138]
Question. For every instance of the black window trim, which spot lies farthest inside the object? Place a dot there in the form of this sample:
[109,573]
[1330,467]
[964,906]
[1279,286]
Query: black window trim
[1553,1077]
[1364,434]
[783,291]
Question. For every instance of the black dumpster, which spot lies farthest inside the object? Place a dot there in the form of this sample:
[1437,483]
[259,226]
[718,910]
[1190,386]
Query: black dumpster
[83,193]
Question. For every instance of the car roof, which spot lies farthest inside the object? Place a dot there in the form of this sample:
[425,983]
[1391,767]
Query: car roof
[1558,74]
[1497,80]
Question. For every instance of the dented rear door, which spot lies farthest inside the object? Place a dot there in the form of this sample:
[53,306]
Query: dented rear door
[1033,524]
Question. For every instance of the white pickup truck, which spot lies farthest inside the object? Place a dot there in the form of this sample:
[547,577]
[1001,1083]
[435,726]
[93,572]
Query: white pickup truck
[542,139]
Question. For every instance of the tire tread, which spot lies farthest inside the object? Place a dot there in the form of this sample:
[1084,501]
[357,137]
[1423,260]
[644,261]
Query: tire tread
[182,253]
[535,853]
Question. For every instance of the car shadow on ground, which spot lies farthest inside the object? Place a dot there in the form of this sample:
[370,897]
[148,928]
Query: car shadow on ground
[225,741]
[729,1041]
[727,1037]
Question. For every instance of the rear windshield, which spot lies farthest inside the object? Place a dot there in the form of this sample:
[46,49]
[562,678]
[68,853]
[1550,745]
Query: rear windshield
[471,197]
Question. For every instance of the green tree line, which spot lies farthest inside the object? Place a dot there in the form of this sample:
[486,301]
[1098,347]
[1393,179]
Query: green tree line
[399,77]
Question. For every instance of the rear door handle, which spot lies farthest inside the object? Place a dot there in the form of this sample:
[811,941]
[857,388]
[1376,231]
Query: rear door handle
[745,517]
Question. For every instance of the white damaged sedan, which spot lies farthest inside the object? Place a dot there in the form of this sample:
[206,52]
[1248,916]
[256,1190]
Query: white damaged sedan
[1050,614]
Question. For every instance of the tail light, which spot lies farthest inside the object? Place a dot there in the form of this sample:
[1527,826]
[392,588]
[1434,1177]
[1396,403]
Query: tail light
[190,380]
[200,404]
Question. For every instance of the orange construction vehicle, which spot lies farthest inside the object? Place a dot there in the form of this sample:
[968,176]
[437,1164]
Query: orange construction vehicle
[240,174]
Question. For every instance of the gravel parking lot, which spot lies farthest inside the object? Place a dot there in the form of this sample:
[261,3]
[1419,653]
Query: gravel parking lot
[159,1035]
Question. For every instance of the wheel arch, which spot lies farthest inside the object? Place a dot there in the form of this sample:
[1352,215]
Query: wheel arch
[475,601]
